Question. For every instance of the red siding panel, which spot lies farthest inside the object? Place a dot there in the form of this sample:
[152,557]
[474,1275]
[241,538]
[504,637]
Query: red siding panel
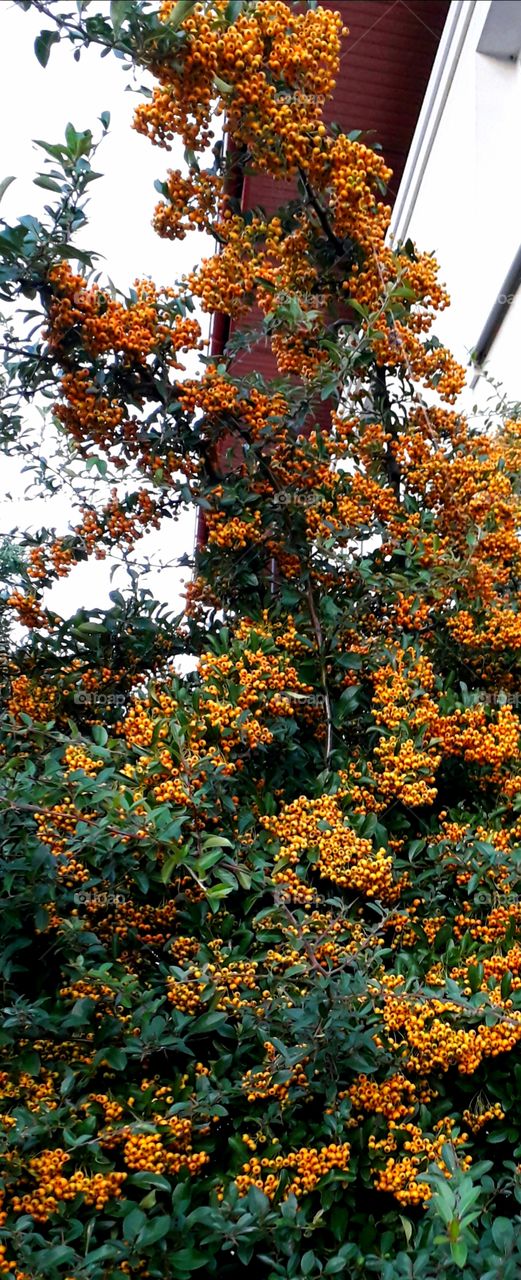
[385,66]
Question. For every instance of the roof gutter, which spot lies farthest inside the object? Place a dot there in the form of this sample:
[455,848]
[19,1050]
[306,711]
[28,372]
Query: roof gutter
[452,40]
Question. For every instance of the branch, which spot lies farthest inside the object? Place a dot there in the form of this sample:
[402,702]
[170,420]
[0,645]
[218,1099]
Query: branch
[383,407]
[320,644]
[315,964]
[321,214]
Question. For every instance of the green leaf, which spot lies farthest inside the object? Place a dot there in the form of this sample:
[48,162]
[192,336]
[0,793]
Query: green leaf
[407,1229]
[443,936]
[171,863]
[233,10]
[119,11]
[459,1251]
[4,184]
[208,860]
[503,1234]
[215,895]
[257,1202]
[58,1254]
[48,184]
[133,1223]
[54,149]
[100,464]
[145,1179]
[339,1219]
[70,251]
[475,976]
[78,144]
[308,1263]
[149,1201]
[105,1251]
[29,1061]
[99,735]
[43,45]
[243,878]
[353,661]
[222,85]
[506,986]
[350,696]
[207,1022]
[156,1230]
[180,11]
[184,1260]
[115,1058]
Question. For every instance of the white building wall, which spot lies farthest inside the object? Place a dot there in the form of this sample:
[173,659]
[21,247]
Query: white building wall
[460,196]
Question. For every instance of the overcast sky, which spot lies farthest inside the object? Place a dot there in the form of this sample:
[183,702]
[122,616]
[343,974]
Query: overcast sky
[37,103]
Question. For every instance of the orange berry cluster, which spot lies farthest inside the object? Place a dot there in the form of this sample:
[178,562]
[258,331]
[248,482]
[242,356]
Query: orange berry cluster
[394,1098]
[28,611]
[432,1041]
[307,1166]
[192,202]
[265,44]
[343,857]
[103,324]
[401,1175]
[78,758]
[32,698]
[261,1084]
[54,1187]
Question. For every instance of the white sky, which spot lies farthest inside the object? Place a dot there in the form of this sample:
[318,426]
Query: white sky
[37,103]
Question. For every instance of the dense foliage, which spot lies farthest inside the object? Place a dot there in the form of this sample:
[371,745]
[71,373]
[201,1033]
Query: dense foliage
[261,926]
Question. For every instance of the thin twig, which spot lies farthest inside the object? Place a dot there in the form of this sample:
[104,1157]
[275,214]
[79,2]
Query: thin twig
[315,964]
[321,214]
[323,673]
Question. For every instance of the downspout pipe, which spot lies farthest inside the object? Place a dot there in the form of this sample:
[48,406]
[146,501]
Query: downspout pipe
[498,313]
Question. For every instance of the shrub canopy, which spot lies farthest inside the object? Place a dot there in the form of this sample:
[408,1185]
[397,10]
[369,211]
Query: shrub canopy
[261,927]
